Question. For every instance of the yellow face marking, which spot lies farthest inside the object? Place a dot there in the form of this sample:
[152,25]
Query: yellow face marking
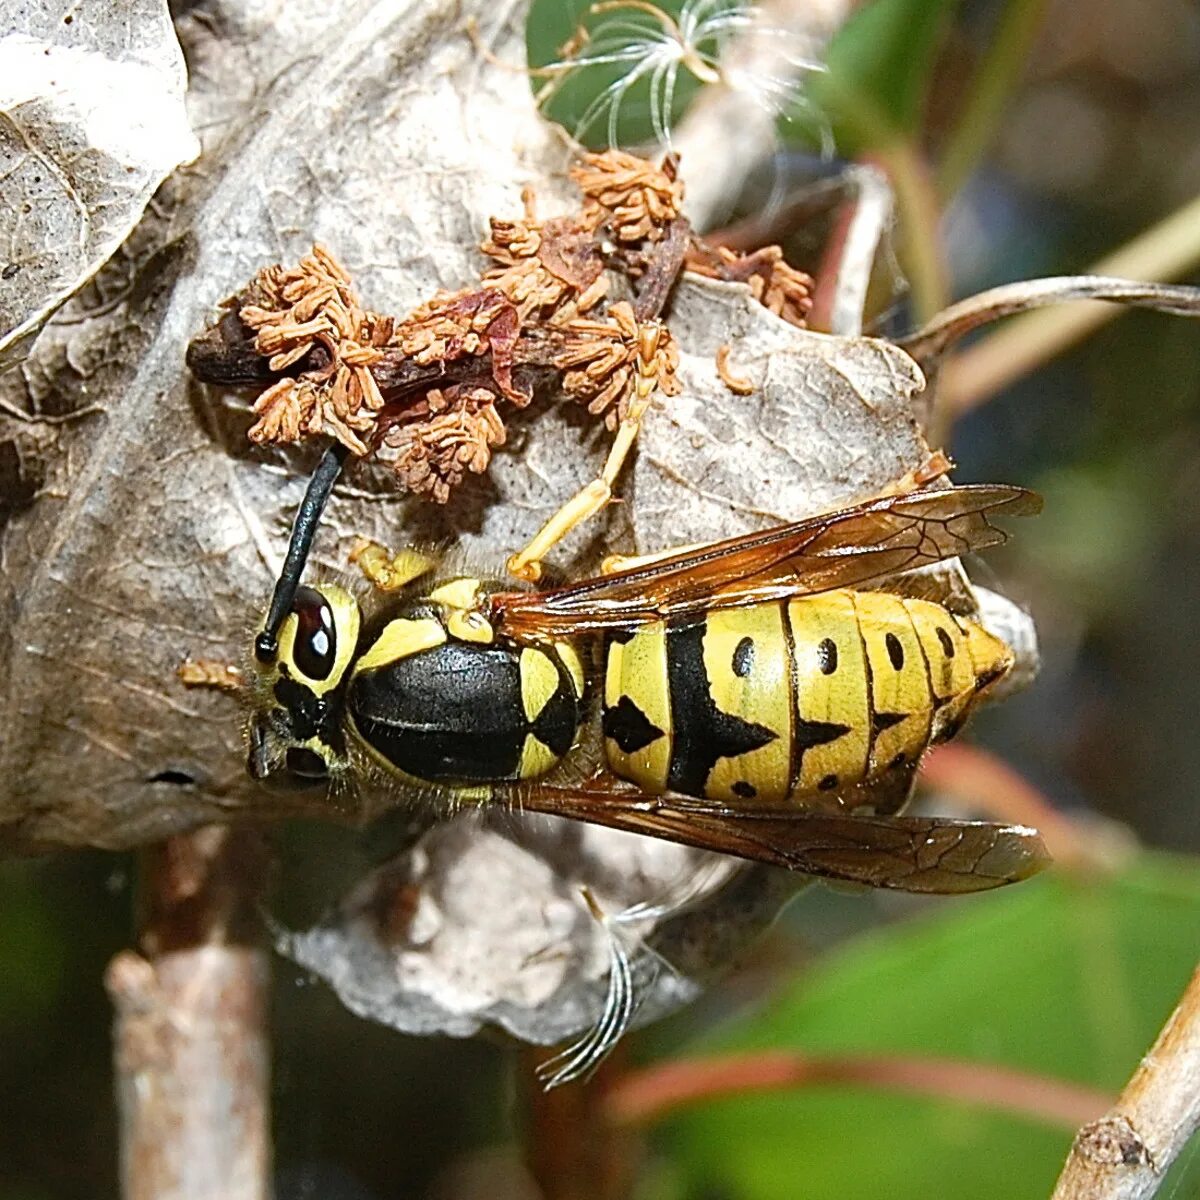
[457,593]
[539,681]
[346,620]
[901,700]
[746,663]
[399,639]
[536,758]
[831,689]
[469,626]
[636,673]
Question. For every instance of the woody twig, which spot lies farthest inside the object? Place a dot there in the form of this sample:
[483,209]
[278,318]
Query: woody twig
[1125,1155]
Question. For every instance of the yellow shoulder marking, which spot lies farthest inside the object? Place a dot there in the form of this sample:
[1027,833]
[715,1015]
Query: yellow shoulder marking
[457,593]
[536,758]
[468,626]
[569,657]
[399,639]
[539,681]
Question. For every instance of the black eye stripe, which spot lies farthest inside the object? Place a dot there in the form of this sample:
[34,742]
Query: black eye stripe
[315,648]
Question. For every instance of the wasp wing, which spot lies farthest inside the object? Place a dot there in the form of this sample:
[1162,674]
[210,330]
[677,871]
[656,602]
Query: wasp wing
[910,854]
[848,548]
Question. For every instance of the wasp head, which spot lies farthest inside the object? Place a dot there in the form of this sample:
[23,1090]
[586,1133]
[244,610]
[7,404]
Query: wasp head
[295,736]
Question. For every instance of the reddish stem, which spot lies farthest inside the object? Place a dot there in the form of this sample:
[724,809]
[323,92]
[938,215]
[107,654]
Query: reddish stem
[572,1150]
[656,1092]
[987,783]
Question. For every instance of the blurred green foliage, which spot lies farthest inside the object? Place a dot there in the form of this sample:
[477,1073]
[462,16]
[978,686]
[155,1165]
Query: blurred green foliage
[61,920]
[880,70]
[1062,977]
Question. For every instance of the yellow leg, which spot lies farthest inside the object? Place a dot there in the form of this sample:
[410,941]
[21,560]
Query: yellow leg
[387,572]
[626,562]
[588,501]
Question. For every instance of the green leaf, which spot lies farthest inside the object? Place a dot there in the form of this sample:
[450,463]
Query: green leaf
[880,63]
[1060,977]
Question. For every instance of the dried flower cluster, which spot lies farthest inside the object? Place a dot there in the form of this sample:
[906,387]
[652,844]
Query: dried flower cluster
[293,312]
[455,434]
[599,361]
[633,197]
[426,391]
[775,285]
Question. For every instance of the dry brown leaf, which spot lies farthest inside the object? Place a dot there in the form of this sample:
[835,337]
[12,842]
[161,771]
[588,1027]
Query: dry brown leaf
[92,98]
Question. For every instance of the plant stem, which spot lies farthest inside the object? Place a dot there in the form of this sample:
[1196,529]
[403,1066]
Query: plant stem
[1002,65]
[573,1150]
[191,1050]
[919,211]
[1126,1154]
[1164,252]
[646,1096]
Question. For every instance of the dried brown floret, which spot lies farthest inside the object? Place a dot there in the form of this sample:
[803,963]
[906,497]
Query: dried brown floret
[553,270]
[600,361]
[786,291]
[294,311]
[512,241]
[636,199]
[455,435]
[737,384]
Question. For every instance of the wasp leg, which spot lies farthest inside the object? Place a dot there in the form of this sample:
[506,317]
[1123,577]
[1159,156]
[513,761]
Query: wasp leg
[388,572]
[627,562]
[588,501]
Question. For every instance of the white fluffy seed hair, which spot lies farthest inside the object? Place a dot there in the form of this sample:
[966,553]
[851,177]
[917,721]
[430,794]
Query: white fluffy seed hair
[656,47]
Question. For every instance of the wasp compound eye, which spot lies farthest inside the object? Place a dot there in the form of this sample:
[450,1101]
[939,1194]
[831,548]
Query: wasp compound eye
[315,647]
[306,763]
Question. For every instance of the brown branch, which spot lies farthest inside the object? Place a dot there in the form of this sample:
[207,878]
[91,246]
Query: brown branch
[662,271]
[572,1149]
[1126,1153]
[932,340]
[1168,250]
[191,1053]
[651,1094]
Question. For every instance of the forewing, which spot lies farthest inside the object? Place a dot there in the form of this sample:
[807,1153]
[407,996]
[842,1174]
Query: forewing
[849,548]
[909,854]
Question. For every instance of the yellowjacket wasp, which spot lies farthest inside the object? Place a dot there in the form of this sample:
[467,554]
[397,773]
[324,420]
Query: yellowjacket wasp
[768,696]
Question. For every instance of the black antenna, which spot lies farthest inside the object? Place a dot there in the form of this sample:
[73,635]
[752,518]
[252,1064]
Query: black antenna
[304,529]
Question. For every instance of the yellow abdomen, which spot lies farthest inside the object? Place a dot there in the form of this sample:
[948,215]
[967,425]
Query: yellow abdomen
[790,701]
